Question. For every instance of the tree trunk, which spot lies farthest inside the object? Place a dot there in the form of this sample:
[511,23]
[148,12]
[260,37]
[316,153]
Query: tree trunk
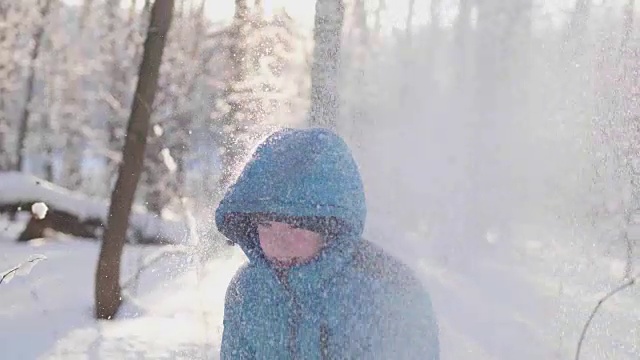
[433,38]
[179,11]
[66,93]
[627,28]
[327,32]
[354,68]
[132,13]
[258,7]
[626,60]
[31,77]
[199,26]
[453,225]
[409,23]
[85,12]
[146,7]
[377,22]
[360,22]
[107,282]
[71,161]
[5,157]
[580,17]
[462,36]
[501,36]
[158,193]
[117,87]
[576,31]
[48,117]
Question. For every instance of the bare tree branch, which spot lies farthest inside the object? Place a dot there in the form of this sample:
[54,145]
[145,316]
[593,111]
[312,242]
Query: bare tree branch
[9,274]
[27,265]
[625,285]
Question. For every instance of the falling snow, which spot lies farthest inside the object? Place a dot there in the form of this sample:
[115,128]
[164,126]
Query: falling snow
[498,143]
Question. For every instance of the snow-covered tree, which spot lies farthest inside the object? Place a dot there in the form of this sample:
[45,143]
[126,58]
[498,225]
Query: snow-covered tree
[30,88]
[257,94]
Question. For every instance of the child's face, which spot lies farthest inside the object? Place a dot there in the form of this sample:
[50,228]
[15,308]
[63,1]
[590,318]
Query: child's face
[286,246]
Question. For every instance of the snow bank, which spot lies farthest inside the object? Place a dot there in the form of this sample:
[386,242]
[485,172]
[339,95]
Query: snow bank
[172,315]
[20,188]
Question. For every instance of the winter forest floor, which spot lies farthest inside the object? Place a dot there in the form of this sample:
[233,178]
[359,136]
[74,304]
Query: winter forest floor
[527,302]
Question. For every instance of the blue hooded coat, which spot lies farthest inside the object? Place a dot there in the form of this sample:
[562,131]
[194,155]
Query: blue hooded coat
[353,300]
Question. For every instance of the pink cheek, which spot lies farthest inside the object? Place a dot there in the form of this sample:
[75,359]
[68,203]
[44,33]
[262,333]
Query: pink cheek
[272,248]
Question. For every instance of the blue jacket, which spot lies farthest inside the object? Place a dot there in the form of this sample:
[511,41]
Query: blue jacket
[353,301]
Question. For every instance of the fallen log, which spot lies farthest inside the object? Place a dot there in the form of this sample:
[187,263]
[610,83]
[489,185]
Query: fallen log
[63,222]
[77,214]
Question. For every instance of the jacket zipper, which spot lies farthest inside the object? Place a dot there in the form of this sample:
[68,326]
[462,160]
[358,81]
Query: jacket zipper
[297,312]
[295,322]
[324,342]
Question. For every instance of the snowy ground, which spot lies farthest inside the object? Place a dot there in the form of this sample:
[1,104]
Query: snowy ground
[48,314]
[527,302]
[525,299]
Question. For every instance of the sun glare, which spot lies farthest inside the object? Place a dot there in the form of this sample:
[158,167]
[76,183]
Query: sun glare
[302,10]
[394,15]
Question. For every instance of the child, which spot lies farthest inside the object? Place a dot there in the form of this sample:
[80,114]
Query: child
[313,288]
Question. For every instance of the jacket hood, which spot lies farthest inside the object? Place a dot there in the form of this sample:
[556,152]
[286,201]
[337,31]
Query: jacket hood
[297,173]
